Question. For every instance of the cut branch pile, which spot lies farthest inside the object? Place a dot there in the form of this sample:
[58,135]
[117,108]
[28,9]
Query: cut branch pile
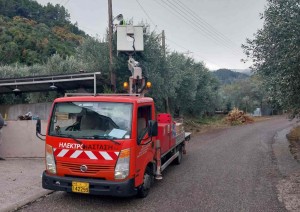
[237,117]
[294,134]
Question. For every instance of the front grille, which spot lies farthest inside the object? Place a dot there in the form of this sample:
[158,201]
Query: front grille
[92,168]
[84,177]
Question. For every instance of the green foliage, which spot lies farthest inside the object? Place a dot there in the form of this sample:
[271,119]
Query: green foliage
[24,41]
[210,120]
[187,86]
[51,15]
[94,55]
[107,90]
[30,33]
[275,51]
[154,68]
[58,65]
[39,97]
[40,40]
[54,65]
[246,94]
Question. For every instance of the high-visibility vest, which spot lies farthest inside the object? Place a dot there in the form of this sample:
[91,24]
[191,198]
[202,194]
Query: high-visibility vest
[122,22]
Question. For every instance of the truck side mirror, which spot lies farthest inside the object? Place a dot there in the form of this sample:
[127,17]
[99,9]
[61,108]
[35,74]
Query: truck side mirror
[38,126]
[2,123]
[152,128]
[38,129]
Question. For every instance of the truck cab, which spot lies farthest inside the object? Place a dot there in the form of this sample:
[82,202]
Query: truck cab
[101,145]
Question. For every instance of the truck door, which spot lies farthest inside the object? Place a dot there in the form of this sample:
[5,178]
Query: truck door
[144,150]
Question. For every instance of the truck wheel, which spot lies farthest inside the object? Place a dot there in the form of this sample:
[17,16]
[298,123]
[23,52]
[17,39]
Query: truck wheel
[179,158]
[144,189]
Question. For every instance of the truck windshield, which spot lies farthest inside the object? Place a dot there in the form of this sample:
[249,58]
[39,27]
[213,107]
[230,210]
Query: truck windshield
[91,120]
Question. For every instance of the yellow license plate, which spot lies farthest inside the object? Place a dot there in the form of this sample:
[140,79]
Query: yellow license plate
[80,187]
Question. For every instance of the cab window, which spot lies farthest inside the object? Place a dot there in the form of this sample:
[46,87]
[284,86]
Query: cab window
[144,115]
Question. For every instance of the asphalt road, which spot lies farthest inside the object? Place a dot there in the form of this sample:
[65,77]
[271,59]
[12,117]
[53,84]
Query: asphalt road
[228,170]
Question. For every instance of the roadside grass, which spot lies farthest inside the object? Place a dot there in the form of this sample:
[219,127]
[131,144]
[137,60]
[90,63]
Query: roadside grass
[261,118]
[198,125]
[201,125]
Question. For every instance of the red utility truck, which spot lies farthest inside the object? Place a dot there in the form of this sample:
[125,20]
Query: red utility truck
[109,145]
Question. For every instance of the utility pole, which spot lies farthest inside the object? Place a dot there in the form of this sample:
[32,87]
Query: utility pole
[163,43]
[163,46]
[110,32]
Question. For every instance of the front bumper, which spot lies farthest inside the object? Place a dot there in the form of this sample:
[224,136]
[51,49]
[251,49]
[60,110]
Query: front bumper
[97,187]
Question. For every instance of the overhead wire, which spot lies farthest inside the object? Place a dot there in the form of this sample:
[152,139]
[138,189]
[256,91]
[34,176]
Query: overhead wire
[208,34]
[205,23]
[146,13]
[174,11]
[193,52]
[167,7]
[61,2]
[66,2]
[208,31]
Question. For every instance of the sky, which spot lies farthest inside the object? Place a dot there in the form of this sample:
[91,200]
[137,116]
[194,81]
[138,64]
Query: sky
[211,31]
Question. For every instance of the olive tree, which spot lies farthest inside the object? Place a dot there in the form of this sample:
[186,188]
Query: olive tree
[275,51]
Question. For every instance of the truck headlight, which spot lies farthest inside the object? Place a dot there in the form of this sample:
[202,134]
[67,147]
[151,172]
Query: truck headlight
[122,166]
[50,161]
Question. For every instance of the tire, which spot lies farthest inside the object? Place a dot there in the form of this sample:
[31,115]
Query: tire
[144,189]
[178,160]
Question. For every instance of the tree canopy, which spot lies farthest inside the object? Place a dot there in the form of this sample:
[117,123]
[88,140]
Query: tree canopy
[51,15]
[31,33]
[37,40]
[275,51]
[246,94]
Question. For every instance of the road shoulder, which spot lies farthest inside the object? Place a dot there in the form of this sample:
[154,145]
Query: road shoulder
[20,182]
[289,186]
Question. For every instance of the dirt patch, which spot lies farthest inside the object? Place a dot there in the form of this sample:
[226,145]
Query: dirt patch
[289,192]
[294,138]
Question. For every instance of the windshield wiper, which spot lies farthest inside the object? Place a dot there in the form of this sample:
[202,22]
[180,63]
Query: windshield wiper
[106,137]
[70,136]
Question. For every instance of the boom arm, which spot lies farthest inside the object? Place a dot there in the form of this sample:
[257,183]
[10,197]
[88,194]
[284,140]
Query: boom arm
[137,82]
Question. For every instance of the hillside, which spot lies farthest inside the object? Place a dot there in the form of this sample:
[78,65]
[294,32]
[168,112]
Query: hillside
[244,71]
[226,76]
[30,33]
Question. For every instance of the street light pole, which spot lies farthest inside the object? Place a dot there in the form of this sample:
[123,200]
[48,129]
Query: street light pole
[110,32]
